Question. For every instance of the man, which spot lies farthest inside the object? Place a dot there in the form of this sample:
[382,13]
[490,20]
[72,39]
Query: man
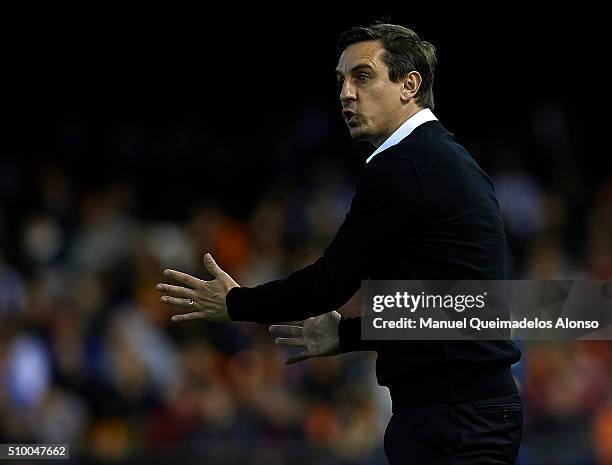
[423,209]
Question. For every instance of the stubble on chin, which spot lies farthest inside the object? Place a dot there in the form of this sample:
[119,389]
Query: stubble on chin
[359,134]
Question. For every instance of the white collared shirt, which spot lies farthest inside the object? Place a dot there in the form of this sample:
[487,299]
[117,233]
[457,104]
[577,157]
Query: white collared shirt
[420,117]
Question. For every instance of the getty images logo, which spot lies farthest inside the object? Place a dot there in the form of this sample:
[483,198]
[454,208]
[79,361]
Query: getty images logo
[413,302]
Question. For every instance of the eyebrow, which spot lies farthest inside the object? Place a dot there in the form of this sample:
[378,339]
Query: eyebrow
[356,68]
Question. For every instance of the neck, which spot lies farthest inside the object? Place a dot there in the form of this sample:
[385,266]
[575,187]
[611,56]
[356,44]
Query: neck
[409,114]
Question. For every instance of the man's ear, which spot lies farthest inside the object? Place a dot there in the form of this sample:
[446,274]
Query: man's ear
[410,85]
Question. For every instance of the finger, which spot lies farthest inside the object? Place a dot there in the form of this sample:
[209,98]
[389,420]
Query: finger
[212,267]
[188,316]
[176,291]
[286,330]
[176,301]
[298,358]
[184,278]
[290,341]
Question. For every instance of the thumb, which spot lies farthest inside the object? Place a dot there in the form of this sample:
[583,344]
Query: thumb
[211,265]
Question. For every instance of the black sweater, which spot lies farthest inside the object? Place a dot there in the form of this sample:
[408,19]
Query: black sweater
[423,209]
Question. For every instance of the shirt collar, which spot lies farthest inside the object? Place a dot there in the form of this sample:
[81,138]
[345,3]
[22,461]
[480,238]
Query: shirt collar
[420,117]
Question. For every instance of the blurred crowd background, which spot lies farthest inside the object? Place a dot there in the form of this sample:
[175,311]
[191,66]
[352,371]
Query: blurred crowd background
[125,157]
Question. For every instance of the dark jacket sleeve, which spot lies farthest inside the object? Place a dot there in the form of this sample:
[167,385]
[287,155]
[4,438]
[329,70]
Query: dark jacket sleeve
[332,280]
[349,335]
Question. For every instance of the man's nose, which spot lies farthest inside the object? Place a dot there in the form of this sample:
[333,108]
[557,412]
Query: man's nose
[348,91]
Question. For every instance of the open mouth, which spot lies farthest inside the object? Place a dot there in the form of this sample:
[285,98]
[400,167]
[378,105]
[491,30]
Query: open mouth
[349,117]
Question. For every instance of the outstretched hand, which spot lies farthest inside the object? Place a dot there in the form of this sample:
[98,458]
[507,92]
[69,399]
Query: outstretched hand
[318,336]
[202,299]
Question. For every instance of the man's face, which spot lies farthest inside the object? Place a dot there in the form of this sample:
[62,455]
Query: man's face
[371,103]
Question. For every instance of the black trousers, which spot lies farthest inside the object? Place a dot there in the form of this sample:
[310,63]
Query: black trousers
[480,432]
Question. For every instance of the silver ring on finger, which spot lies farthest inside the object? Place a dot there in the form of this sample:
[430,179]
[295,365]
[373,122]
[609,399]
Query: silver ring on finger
[190,302]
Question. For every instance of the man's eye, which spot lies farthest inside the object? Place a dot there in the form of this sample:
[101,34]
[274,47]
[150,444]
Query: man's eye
[362,77]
